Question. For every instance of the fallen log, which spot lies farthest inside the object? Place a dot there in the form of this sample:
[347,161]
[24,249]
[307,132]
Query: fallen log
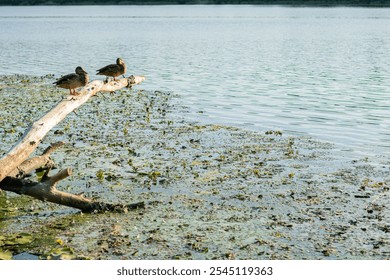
[15,165]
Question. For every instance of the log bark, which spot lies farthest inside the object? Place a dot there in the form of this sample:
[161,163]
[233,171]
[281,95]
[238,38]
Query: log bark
[15,165]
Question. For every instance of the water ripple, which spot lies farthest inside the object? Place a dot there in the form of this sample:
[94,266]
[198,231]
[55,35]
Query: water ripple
[323,72]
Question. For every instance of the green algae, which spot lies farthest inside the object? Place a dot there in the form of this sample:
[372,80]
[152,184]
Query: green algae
[211,191]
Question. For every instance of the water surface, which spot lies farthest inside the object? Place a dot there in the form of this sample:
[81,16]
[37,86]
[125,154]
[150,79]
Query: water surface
[318,71]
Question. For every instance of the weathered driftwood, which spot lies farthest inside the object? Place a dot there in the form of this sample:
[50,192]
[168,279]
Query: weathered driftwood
[15,165]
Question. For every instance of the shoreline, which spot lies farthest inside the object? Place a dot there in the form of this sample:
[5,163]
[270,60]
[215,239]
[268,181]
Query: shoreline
[212,191]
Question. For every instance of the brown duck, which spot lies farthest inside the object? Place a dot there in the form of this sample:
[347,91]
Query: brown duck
[113,70]
[72,81]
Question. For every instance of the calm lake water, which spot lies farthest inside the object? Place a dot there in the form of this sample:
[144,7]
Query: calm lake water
[323,72]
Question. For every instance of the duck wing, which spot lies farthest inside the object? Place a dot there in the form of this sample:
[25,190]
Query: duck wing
[67,79]
[108,70]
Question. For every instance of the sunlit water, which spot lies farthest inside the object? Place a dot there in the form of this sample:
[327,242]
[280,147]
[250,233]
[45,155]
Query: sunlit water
[323,72]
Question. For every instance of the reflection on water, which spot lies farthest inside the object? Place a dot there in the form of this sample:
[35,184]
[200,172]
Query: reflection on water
[320,71]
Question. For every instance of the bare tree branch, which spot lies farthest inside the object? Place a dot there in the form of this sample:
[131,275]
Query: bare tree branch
[47,191]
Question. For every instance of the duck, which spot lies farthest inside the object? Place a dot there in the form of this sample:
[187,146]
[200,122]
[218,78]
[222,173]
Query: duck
[74,80]
[113,70]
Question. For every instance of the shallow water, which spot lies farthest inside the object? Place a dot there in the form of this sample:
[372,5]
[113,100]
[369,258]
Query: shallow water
[318,71]
[211,191]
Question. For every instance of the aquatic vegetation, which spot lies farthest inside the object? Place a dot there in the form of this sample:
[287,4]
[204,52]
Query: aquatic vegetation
[12,242]
[211,191]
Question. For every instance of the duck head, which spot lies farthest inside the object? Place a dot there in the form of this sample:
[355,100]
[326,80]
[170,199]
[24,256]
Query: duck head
[119,61]
[79,70]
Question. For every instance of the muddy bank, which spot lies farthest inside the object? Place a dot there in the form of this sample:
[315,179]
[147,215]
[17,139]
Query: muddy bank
[211,192]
